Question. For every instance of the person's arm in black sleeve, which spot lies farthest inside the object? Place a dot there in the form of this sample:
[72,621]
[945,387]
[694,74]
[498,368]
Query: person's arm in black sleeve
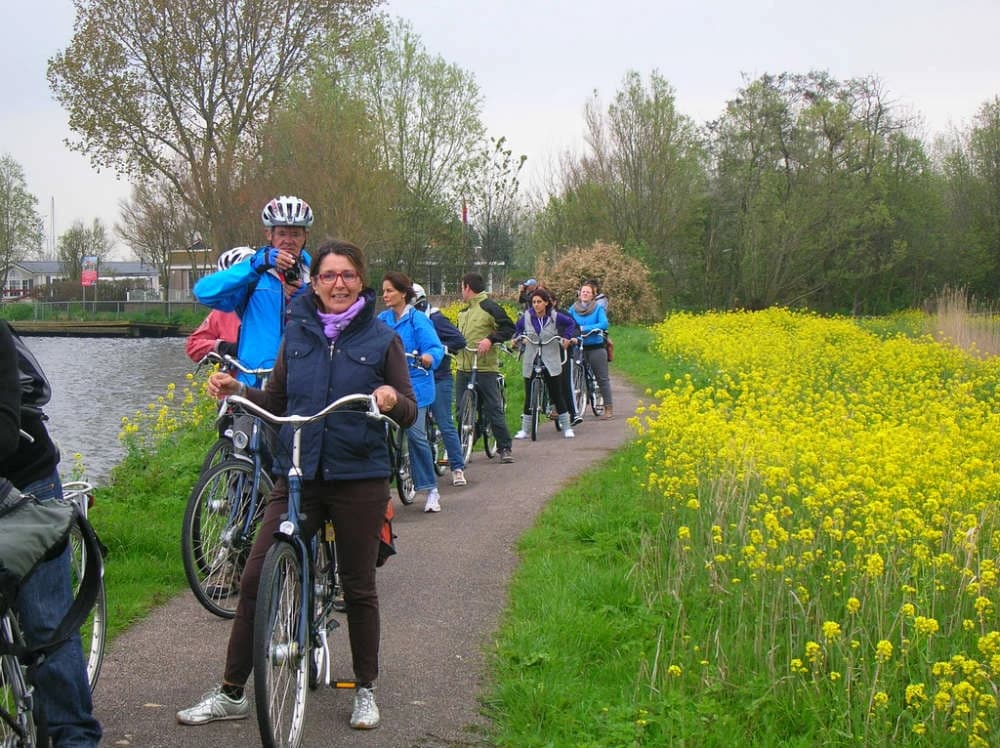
[505,325]
[449,335]
[10,395]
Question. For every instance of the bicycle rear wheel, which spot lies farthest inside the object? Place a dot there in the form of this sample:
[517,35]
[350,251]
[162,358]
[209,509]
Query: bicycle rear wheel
[280,654]
[212,547]
[467,423]
[94,629]
[438,453]
[594,393]
[17,721]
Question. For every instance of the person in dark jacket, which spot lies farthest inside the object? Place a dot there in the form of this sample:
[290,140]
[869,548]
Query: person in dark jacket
[333,346]
[444,385]
[31,464]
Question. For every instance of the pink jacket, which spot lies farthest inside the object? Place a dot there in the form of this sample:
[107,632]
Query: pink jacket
[216,328]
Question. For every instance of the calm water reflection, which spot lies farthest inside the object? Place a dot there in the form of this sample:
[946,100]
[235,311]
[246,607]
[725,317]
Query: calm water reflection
[97,381]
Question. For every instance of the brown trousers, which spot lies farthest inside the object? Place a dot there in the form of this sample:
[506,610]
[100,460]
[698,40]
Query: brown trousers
[357,510]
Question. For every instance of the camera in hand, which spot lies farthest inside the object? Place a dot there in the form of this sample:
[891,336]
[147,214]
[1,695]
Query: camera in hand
[293,273]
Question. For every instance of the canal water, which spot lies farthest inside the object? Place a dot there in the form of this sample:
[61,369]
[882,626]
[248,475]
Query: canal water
[98,381]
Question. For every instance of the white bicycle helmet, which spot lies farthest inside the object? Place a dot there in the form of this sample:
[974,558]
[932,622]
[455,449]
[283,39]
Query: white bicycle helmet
[418,294]
[232,256]
[287,210]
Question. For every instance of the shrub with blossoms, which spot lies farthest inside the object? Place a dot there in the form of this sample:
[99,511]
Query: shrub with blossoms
[829,498]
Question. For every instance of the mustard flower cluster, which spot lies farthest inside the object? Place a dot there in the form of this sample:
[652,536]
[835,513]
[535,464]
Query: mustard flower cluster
[837,495]
[170,412]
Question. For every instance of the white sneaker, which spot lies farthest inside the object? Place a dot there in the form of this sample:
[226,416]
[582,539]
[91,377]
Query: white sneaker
[215,706]
[458,478]
[568,433]
[433,501]
[521,434]
[365,715]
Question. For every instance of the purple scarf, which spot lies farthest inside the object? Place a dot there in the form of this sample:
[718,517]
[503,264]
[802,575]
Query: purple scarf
[334,324]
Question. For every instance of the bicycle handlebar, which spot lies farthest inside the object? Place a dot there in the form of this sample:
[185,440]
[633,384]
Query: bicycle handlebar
[298,422]
[416,363]
[235,364]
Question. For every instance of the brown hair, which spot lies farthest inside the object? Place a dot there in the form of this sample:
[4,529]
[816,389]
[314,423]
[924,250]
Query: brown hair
[401,282]
[343,248]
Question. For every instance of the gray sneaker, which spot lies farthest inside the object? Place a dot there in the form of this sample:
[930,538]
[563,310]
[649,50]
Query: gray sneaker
[365,715]
[506,456]
[215,706]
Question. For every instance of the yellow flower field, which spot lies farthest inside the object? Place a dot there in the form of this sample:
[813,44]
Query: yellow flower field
[829,504]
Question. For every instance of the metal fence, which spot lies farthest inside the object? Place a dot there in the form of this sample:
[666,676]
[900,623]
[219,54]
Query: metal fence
[46,310]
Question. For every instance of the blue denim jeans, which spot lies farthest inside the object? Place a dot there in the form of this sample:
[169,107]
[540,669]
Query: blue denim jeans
[62,687]
[421,460]
[444,415]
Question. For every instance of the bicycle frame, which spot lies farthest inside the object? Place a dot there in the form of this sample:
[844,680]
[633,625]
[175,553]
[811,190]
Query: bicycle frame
[289,530]
[537,388]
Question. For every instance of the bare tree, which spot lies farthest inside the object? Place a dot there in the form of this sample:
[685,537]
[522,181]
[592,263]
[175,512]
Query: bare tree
[181,88]
[154,223]
[20,225]
[492,191]
[79,242]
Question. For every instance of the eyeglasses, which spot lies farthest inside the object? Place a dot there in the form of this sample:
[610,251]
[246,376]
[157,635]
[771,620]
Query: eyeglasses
[330,277]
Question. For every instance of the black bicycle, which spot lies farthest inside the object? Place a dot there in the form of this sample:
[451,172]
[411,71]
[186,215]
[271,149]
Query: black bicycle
[471,423]
[585,387]
[538,394]
[224,510]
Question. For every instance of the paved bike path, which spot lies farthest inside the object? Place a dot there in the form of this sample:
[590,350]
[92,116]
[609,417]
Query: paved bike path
[441,598]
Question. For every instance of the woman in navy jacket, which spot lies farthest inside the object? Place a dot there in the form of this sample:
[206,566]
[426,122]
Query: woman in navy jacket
[333,346]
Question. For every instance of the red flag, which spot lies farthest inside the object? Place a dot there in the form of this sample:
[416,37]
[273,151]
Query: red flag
[465,213]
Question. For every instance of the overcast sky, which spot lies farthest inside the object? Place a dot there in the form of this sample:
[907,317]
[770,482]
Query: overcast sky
[537,62]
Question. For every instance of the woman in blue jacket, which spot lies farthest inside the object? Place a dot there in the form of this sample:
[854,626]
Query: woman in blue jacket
[424,350]
[590,316]
[333,346]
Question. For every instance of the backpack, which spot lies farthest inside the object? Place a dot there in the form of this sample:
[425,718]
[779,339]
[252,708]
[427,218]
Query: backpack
[35,388]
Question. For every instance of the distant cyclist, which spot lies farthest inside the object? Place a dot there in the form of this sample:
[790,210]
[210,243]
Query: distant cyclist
[444,385]
[219,332]
[420,339]
[259,290]
[592,318]
[551,332]
[485,325]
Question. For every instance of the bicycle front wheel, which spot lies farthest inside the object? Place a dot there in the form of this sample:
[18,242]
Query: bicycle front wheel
[404,472]
[220,451]
[579,389]
[536,406]
[280,651]
[467,424]
[596,398]
[94,629]
[215,537]
[17,722]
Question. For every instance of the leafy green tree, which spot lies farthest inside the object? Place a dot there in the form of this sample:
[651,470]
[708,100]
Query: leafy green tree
[20,226]
[984,153]
[426,116]
[79,242]
[181,88]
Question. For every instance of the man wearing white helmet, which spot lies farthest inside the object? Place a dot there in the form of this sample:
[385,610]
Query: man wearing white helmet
[259,290]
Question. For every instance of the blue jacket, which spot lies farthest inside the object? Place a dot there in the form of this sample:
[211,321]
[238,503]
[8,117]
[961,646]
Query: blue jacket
[418,336]
[450,338]
[259,298]
[344,446]
[596,320]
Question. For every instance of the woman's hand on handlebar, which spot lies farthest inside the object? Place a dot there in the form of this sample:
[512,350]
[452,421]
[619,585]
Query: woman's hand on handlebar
[386,397]
[221,384]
